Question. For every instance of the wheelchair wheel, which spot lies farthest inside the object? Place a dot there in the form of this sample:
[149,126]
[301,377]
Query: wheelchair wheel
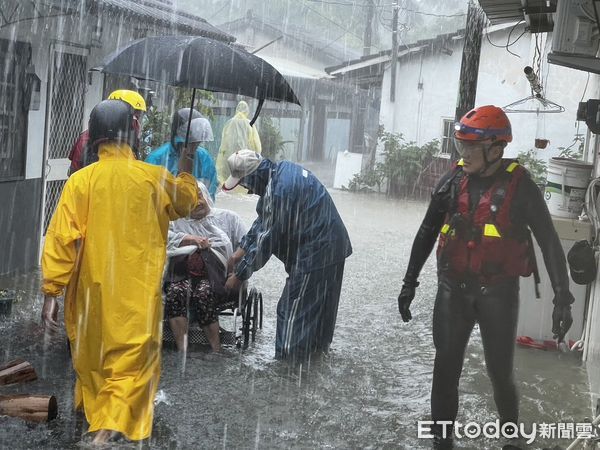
[247,321]
[260,310]
[254,318]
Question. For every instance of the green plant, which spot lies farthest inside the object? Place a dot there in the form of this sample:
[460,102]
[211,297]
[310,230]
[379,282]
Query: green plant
[537,167]
[404,163]
[573,152]
[272,143]
[402,167]
[366,181]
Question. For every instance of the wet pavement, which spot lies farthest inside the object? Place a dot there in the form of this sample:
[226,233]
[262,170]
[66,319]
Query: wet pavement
[369,392]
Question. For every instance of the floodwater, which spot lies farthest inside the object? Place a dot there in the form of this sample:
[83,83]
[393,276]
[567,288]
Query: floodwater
[369,392]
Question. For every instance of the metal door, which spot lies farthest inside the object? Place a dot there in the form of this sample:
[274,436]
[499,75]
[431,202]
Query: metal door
[64,120]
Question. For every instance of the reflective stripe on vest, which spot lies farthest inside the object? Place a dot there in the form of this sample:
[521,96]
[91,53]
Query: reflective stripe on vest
[482,239]
[512,166]
[490,230]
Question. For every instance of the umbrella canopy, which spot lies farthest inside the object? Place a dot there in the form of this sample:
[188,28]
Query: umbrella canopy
[200,63]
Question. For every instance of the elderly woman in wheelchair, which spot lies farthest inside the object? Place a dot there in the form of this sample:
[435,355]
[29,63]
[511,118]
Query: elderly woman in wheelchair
[199,247]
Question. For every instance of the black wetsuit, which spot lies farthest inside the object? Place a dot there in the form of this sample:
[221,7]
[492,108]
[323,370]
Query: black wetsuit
[461,303]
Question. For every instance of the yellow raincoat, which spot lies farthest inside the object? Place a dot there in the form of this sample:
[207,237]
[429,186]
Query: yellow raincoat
[237,135]
[106,243]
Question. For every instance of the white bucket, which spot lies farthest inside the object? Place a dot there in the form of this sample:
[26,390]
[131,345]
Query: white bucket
[566,184]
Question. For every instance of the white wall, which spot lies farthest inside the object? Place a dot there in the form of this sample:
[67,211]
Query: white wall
[69,32]
[282,49]
[418,114]
[63,31]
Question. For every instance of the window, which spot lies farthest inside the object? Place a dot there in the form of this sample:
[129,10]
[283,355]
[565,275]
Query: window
[447,138]
[14,106]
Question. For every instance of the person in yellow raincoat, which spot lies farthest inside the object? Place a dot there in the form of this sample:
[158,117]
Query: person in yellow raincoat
[237,135]
[106,244]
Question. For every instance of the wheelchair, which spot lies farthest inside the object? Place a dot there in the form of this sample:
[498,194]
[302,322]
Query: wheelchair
[244,316]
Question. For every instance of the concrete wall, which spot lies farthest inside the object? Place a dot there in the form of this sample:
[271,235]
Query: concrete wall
[20,220]
[19,225]
[418,113]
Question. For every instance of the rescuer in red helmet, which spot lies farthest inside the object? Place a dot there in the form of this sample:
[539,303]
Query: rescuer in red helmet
[482,210]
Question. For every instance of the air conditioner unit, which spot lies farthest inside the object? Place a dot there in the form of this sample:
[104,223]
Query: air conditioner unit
[575,29]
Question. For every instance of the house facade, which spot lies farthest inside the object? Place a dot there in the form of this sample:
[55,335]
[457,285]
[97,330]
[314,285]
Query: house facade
[427,83]
[332,115]
[48,48]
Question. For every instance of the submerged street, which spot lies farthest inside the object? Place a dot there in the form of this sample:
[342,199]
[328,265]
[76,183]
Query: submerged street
[369,392]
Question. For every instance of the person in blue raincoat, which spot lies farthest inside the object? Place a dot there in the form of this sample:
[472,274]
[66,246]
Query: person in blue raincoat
[168,154]
[299,224]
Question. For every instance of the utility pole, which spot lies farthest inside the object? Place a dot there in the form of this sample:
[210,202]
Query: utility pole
[469,69]
[394,52]
[369,28]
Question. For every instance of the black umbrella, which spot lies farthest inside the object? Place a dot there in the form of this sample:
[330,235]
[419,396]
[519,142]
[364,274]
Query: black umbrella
[200,63]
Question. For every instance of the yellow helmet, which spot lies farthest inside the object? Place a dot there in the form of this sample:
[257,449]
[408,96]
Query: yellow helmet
[136,101]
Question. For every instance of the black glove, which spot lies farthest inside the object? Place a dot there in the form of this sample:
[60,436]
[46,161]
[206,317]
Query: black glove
[561,315]
[407,294]
[561,321]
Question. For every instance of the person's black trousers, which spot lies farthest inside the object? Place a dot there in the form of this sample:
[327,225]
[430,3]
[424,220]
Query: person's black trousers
[458,306]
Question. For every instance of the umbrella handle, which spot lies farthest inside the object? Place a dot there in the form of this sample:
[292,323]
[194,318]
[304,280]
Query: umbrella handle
[258,108]
[187,133]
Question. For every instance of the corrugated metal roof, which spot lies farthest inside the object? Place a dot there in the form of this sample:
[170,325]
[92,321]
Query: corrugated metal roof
[407,49]
[333,49]
[162,13]
[151,11]
[403,50]
[500,11]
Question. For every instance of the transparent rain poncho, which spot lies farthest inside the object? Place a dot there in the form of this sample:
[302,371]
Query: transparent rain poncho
[237,135]
[200,130]
[168,154]
[223,228]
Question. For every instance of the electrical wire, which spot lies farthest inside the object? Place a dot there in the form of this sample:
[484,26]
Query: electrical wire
[363,5]
[576,138]
[337,3]
[547,65]
[332,42]
[536,61]
[332,21]
[585,87]
[225,5]
[433,14]
[515,41]
[508,43]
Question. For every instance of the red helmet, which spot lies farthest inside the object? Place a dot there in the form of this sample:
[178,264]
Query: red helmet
[485,122]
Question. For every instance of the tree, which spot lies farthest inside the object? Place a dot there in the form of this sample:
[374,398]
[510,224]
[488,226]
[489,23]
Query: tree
[272,143]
